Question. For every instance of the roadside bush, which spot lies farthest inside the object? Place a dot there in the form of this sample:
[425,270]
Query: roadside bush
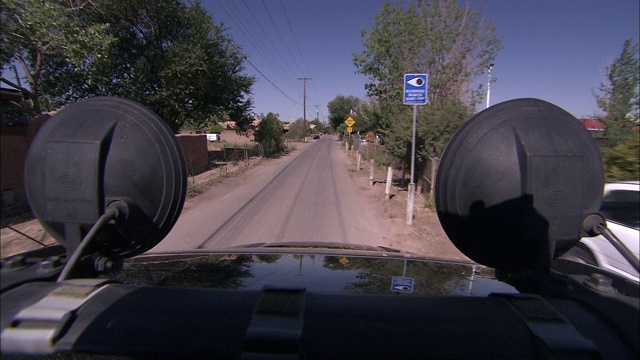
[622,162]
[296,131]
[269,135]
[217,128]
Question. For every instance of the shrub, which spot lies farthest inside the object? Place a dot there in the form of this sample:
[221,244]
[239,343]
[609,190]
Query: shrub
[269,135]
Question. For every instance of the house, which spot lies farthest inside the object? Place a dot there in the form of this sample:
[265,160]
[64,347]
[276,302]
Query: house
[593,125]
[597,126]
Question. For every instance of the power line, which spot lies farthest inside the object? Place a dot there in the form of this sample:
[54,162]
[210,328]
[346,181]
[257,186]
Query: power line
[295,40]
[291,107]
[270,82]
[294,37]
[240,27]
[259,39]
[266,35]
[264,76]
[282,38]
[251,36]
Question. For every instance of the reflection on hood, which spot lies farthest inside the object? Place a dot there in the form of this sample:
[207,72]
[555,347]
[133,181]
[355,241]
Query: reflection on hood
[321,273]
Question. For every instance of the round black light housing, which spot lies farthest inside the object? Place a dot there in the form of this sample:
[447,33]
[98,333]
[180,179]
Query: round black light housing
[516,183]
[98,151]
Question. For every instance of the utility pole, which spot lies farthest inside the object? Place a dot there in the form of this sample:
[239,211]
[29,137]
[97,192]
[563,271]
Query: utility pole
[489,84]
[304,105]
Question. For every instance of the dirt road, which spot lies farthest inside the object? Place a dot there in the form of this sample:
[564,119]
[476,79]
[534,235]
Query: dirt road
[307,196]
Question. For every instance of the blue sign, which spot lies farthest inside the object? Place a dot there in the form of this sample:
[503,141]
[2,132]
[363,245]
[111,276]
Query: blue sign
[415,89]
[402,284]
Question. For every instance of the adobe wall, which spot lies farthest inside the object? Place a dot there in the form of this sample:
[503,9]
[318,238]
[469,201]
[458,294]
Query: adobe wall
[14,145]
[196,156]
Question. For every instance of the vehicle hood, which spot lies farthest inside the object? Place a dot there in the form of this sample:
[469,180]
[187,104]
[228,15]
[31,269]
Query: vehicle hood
[347,269]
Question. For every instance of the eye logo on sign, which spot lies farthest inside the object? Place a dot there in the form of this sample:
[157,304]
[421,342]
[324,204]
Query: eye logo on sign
[402,284]
[416,81]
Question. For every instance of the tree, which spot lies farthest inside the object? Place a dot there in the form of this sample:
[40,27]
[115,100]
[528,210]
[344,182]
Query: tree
[166,55]
[215,128]
[269,135]
[172,58]
[296,130]
[437,123]
[38,33]
[622,162]
[318,127]
[453,44]
[619,94]
[340,109]
[368,115]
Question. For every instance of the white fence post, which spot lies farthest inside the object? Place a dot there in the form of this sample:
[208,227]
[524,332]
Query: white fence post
[372,170]
[387,190]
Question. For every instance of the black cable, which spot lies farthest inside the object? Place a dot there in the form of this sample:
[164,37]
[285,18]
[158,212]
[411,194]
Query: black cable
[114,210]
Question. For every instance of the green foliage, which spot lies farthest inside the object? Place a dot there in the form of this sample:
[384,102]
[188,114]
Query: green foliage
[389,48]
[619,94]
[40,33]
[340,109]
[166,55]
[269,135]
[437,123]
[453,44]
[296,130]
[622,162]
[243,119]
[217,128]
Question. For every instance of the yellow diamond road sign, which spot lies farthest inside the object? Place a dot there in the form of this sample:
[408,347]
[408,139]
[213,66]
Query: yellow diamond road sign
[349,121]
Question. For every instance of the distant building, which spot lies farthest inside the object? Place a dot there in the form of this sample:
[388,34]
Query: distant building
[13,107]
[597,126]
[593,125]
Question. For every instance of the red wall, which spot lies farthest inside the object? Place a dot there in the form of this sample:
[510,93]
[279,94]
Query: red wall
[14,144]
[196,156]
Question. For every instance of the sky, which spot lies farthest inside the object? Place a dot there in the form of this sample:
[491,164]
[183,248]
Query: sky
[554,50]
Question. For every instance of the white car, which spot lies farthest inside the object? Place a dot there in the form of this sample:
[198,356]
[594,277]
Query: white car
[621,209]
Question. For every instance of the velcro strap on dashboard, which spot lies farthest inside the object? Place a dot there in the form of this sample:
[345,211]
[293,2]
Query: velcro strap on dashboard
[35,329]
[557,337]
[276,325]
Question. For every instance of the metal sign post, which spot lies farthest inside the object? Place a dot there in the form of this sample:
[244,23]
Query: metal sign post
[415,93]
